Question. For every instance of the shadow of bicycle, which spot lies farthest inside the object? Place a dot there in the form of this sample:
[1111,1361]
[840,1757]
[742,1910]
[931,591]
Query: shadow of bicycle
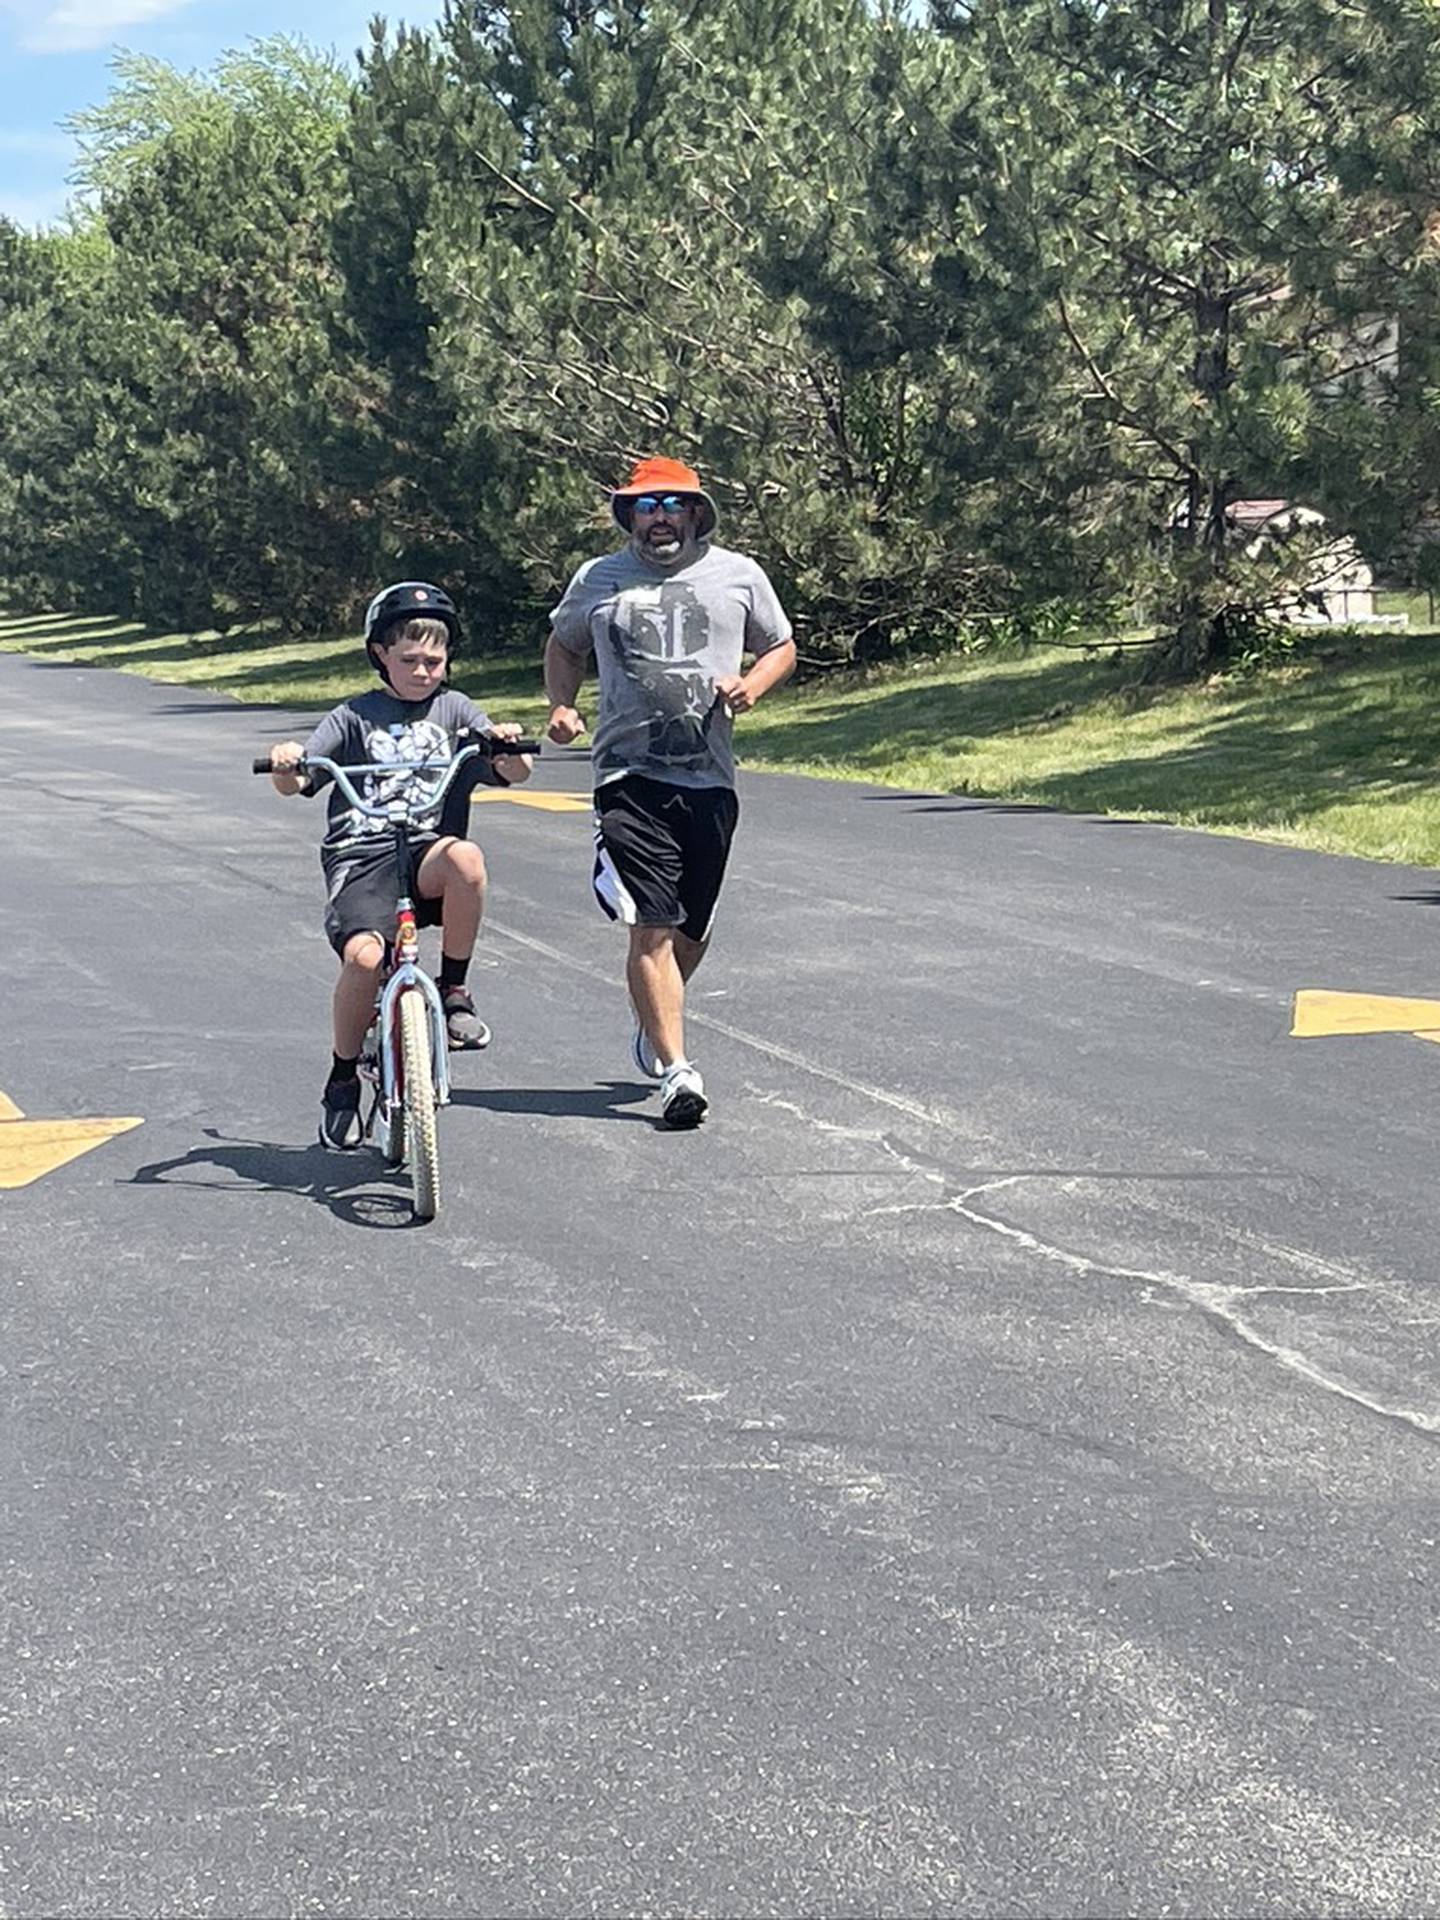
[357,1188]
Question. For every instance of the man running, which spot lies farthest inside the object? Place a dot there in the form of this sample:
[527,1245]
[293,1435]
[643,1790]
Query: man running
[670,618]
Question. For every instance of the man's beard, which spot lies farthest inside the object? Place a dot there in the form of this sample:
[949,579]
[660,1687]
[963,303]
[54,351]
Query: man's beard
[672,547]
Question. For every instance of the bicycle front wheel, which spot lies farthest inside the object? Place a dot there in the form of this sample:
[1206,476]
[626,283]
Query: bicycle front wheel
[422,1136]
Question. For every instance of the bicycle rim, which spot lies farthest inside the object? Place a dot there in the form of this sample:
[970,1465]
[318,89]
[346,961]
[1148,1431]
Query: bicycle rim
[422,1137]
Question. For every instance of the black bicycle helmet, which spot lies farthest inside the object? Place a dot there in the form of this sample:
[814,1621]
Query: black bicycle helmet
[410,600]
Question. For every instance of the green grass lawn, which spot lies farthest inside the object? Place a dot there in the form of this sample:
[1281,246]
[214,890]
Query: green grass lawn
[253,664]
[1333,750]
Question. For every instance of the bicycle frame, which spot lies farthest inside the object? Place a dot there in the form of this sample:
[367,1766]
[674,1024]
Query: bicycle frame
[405,974]
[408,1091]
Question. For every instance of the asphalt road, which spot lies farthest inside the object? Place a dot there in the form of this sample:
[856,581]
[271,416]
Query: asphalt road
[989,1469]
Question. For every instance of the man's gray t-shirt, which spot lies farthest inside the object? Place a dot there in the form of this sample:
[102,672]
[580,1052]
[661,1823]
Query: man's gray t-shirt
[662,637]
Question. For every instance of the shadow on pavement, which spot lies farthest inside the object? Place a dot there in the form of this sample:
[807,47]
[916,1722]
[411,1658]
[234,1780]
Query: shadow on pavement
[234,706]
[609,1101]
[934,803]
[357,1188]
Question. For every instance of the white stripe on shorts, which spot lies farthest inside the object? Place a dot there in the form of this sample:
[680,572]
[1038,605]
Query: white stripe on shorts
[610,890]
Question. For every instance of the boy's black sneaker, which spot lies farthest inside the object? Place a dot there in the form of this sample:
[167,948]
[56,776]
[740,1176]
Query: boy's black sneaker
[463,1026]
[341,1127]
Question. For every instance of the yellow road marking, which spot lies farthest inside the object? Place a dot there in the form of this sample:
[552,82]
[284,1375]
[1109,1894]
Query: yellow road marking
[29,1149]
[546,802]
[1319,1012]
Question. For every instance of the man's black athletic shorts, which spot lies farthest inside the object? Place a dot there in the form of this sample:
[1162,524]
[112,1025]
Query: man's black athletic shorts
[362,886]
[660,852]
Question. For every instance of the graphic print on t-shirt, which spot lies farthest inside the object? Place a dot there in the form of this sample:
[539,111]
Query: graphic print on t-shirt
[398,746]
[657,633]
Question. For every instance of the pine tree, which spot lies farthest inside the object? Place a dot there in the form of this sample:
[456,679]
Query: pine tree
[1213,198]
[649,248]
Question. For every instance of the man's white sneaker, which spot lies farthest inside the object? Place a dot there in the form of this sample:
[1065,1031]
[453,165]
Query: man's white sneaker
[682,1096]
[643,1054]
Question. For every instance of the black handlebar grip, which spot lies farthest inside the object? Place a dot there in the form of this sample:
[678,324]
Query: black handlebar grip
[492,745]
[261,766]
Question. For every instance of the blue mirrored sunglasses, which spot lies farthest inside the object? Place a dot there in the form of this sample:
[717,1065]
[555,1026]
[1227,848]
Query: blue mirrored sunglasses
[669,502]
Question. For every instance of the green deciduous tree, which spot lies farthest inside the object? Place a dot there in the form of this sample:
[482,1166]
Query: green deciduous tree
[441,499]
[58,528]
[222,338]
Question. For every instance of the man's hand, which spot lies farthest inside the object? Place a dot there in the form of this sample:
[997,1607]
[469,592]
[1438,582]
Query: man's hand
[566,724]
[742,692]
[734,692]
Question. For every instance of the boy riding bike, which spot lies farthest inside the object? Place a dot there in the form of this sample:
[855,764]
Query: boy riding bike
[411,632]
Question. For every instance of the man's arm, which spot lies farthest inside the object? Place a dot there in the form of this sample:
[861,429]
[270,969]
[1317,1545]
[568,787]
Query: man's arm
[564,676]
[767,637]
[740,691]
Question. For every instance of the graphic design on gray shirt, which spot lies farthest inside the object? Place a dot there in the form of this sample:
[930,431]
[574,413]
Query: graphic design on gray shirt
[662,637]
[378,728]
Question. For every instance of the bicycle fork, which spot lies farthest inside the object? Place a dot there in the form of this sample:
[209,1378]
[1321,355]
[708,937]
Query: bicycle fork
[408,976]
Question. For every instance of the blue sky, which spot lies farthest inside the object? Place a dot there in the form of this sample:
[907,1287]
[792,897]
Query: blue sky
[55,54]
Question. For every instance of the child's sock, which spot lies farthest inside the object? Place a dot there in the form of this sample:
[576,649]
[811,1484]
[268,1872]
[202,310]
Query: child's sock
[343,1069]
[453,972]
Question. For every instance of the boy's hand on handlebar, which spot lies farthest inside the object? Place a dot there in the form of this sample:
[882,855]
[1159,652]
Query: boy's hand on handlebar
[511,767]
[285,757]
[566,724]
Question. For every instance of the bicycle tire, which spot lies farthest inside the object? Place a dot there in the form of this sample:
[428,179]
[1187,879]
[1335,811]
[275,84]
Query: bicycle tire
[422,1135]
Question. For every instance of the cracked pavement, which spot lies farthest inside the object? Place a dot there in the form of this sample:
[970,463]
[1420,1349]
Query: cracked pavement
[989,1468]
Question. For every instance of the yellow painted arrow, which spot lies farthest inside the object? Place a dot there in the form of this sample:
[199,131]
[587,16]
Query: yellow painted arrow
[1319,1012]
[29,1149]
[546,802]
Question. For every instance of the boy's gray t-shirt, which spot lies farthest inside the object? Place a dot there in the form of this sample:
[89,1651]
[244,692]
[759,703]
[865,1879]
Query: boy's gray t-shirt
[662,637]
[379,727]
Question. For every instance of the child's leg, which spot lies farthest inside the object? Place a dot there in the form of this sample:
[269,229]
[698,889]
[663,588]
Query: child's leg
[453,872]
[361,958]
[354,1005]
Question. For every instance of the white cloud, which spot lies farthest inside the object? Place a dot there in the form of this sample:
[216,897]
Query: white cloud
[71,26]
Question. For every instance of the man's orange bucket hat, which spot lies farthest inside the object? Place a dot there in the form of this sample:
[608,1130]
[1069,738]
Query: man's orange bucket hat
[658,475]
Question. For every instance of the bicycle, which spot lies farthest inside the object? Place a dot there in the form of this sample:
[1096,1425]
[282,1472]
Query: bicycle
[411,1075]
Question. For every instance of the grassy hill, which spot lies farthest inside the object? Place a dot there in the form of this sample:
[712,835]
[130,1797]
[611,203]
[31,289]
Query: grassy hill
[1334,749]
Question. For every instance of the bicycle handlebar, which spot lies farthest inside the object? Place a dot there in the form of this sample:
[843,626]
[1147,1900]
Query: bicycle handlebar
[491,746]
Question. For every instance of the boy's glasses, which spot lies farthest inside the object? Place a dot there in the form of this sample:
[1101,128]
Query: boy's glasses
[662,502]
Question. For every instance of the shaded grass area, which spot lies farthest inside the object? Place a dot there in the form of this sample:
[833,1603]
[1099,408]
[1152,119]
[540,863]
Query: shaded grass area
[256,664]
[1332,750]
